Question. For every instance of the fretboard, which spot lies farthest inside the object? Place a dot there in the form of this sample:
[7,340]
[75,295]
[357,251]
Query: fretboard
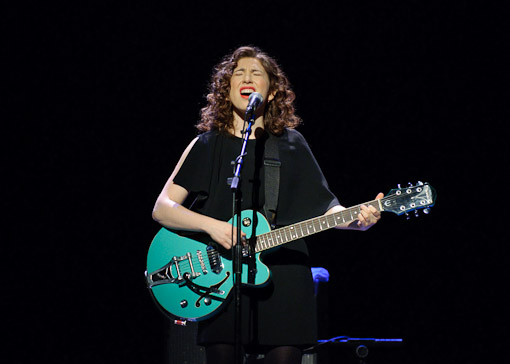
[305,228]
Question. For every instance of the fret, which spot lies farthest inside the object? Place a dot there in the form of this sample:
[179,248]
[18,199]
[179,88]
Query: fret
[267,245]
[292,232]
[274,235]
[277,235]
[283,236]
[288,233]
[270,240]
[313,224]
[296,231]
[298,228]
[302,227]
[354,213]
[264,242]
[330,221]
[304,230]
[339,216]
[310,226]
[301,232]
[260,243]
[334,220]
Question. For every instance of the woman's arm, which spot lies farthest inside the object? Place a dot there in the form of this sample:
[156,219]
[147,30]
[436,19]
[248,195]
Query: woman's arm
[169,212]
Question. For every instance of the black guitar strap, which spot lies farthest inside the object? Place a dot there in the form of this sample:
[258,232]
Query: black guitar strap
[272,178]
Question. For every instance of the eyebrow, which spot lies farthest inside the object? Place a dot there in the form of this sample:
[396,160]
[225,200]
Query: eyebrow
[244,69]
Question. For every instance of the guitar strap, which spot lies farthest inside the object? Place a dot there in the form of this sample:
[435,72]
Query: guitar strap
[272,178]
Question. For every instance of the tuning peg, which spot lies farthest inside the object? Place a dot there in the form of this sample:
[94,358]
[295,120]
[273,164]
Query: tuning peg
[426,211]
[408,217]
[409,184]
[420,183]
[416,213]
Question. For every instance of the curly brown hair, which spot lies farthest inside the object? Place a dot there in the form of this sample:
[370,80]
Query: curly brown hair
[218,113]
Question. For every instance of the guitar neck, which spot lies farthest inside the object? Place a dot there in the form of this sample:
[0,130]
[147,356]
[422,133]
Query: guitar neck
[315,225]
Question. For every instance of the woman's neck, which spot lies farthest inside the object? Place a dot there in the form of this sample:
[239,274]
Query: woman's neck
[239,126]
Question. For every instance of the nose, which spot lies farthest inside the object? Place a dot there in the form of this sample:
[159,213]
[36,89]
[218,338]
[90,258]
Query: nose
[247,77]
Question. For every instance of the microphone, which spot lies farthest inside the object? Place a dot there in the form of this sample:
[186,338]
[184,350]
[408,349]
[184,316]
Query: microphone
[254,102]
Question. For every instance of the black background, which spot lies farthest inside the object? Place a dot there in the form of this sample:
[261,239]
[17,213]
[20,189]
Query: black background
[102,99]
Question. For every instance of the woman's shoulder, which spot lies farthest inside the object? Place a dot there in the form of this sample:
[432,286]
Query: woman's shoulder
[293,137]
[293,134]
[207,139]
[208,136]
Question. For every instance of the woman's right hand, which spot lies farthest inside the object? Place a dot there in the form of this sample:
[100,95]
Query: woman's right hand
[221,232]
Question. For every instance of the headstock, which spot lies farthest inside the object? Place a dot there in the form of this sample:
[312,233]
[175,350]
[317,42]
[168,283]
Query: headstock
[411,198]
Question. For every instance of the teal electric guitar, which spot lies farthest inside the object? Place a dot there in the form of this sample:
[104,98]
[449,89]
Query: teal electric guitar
[190,276]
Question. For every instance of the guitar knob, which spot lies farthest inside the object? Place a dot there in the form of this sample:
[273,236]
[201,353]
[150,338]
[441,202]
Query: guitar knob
[207,301]
[184,303]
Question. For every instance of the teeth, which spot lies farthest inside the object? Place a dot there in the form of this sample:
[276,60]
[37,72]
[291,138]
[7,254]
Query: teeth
[247,91]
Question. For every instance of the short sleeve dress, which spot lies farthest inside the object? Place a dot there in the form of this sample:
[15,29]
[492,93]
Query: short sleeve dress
[282,312]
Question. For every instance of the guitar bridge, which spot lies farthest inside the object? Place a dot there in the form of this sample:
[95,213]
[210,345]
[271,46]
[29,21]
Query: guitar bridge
[173,272]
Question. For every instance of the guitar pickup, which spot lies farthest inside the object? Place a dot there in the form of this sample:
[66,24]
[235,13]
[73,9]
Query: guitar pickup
[214,259]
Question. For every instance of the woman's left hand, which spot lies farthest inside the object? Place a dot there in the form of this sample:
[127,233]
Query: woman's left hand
[369,215]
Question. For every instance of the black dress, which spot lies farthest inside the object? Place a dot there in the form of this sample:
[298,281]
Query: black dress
[283,312]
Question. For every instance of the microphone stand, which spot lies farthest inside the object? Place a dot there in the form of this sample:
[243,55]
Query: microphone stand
[237,254]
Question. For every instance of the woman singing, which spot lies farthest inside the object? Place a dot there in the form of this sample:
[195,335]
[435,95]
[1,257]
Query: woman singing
[279,318]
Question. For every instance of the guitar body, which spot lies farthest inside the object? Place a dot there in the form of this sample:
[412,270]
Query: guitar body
[191,277]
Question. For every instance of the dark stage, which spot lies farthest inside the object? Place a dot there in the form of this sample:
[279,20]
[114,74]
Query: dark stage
[102,100]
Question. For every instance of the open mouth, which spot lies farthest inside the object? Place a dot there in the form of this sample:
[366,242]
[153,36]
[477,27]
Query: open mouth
[246,91]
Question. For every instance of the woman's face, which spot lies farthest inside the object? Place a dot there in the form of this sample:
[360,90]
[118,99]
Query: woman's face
[249,76]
